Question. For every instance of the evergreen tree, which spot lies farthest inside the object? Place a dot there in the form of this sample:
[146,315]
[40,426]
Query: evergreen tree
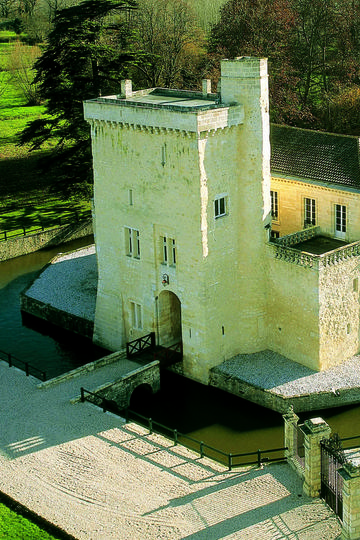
[85,56]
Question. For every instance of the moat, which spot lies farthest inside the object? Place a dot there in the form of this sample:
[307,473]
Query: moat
[219,419]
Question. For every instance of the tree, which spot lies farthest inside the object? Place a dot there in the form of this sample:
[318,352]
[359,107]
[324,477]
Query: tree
[84,57]
[262,28]
[172,43]
[313,47]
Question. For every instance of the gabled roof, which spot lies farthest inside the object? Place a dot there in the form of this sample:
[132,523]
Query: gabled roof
[315,155]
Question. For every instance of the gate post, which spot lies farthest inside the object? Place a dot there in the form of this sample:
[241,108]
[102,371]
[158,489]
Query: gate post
[314,430]
[290,426]
[351,501]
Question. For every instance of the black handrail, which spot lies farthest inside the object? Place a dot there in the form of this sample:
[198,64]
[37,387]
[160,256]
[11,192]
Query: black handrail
[176,435]
[51,223]
[25,366]
[140,344]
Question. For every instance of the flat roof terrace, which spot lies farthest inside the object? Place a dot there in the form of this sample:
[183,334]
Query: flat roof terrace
[319,245]
[191,112]
[311,249]
[167,98]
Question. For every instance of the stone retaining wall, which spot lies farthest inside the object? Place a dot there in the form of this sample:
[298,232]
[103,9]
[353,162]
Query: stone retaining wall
[281,403]
[23,245]
[55,316]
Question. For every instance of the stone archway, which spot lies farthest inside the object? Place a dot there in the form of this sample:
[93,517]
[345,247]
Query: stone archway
[169,322]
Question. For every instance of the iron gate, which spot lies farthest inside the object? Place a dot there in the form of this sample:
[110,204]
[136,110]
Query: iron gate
[331,482]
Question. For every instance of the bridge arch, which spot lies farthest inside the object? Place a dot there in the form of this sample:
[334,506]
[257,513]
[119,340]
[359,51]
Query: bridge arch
[141,394]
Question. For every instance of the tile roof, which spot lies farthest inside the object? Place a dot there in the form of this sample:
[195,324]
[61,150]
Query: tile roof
[315,155]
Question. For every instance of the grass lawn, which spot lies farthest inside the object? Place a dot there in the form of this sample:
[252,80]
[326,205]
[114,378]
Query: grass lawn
[14,526]
[26,197]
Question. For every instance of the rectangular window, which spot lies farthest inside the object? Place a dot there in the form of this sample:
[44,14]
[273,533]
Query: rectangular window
[274,234]
[310,213]
[220,207]
[136,315]
[340,218]
[132,241]
[168,251]
[274,205]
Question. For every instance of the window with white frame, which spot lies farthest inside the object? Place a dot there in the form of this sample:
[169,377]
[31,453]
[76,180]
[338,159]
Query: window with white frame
[340,219]
[132,242]
[274,205]
[309,212]
[136,315]
[168,247]
[220,206]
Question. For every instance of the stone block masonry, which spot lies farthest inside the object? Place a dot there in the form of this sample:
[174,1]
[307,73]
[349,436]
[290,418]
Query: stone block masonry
[23,245]
[120,391]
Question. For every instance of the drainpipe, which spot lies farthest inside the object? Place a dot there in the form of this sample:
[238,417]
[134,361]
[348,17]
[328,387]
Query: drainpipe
[157,319]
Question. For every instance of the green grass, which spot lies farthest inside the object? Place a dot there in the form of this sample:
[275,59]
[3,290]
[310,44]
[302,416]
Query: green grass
[14,526]
[7,36]
[27,198]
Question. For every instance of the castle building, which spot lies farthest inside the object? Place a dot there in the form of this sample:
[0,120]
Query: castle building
[183,211]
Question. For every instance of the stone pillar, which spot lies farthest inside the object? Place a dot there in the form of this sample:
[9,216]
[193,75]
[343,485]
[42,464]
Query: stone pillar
[314,430]
[351,502]
[290,426]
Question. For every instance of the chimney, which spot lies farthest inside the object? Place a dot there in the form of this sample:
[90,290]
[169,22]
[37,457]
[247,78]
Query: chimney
[126,88]
[206,87]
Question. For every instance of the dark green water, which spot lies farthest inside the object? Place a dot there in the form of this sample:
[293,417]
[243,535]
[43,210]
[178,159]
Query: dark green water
[42,345]
[213,416]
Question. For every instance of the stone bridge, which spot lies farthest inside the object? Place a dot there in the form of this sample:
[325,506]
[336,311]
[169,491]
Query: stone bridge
[119,392]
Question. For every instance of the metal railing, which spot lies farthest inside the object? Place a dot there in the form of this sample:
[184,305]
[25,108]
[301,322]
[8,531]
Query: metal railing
[205,450]
[46,224]
[140,345]
[13,361]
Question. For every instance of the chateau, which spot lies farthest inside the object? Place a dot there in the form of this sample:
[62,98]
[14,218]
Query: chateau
[198,242]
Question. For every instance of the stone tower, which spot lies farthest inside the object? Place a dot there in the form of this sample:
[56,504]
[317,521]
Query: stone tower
[182,206]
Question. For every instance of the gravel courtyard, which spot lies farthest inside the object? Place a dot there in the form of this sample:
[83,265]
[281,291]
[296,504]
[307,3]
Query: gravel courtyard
[98,478]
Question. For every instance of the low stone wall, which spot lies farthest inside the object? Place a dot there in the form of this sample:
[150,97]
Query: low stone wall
[23,245]
[281,403]
[87,368]
[55,316]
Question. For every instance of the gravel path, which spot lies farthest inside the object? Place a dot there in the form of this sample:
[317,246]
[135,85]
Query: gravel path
[101,479]
[69,283]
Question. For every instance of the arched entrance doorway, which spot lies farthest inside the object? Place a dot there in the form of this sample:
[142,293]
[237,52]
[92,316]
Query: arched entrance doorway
[169,323]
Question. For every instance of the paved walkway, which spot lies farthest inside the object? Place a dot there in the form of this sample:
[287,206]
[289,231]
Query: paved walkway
[99,479]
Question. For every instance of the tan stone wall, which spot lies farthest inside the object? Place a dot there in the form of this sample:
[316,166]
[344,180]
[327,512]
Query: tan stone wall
[174,178]
[23,245]
[293,311]
[291,194]
[339,312]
